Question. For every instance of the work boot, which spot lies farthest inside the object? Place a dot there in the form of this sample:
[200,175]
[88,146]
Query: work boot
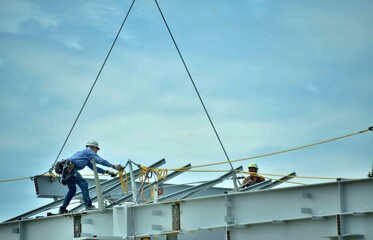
[62,211]
[89,208]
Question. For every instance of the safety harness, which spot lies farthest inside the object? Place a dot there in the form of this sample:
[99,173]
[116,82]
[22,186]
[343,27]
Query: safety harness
[64,168]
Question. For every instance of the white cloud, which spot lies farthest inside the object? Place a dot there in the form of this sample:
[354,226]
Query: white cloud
[73,43]
[96,14]
[14,14]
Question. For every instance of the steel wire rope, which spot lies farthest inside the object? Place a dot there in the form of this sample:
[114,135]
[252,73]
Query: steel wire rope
[283,151]
[207,171]
[306,177]
[194,85]
[242,159]
[237,160]
[14,179]
[284,181]
[295,176]
[90,91]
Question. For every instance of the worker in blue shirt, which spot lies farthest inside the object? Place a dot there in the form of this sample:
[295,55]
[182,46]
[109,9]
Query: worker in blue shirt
[71,177]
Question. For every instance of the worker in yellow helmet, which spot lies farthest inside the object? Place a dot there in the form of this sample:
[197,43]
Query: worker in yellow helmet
[253,178]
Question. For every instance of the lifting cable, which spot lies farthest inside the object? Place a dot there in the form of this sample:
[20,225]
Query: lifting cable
[287,150]
[124,182]
[162,173]
[14,179]
[194,85]
[90,91]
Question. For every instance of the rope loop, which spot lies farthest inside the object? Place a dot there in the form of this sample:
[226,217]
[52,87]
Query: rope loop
[123,182]
[145,175]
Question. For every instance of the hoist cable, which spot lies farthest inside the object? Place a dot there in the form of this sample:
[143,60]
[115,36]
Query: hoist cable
[163,172]
[93,85]
[291,149]
[194,85]
[284,151]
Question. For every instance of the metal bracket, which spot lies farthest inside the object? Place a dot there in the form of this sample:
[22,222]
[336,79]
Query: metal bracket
[77,226]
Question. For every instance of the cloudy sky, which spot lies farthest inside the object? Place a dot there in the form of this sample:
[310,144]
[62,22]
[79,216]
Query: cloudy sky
[273,75]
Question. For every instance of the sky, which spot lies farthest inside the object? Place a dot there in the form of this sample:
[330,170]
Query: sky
[273,75]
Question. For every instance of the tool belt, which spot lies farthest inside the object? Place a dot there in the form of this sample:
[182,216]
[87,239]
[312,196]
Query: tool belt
[69,166]
[64,165]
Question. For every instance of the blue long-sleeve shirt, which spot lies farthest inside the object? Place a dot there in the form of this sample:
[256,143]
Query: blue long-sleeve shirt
[83,158]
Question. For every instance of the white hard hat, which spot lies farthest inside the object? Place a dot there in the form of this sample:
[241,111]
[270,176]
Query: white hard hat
[92,143]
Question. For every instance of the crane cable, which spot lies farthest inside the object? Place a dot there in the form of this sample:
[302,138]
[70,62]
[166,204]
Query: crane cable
[162,173]
[287,150]
[90,91]
[147,173]
[194,85]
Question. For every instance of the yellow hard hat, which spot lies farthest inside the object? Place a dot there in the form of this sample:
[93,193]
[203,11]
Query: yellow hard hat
[253,165]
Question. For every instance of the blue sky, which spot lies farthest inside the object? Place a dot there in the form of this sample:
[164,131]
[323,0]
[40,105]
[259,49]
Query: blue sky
[273,74]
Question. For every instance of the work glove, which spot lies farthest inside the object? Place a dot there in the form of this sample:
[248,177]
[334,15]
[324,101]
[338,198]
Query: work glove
[117,167]
[111,173]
